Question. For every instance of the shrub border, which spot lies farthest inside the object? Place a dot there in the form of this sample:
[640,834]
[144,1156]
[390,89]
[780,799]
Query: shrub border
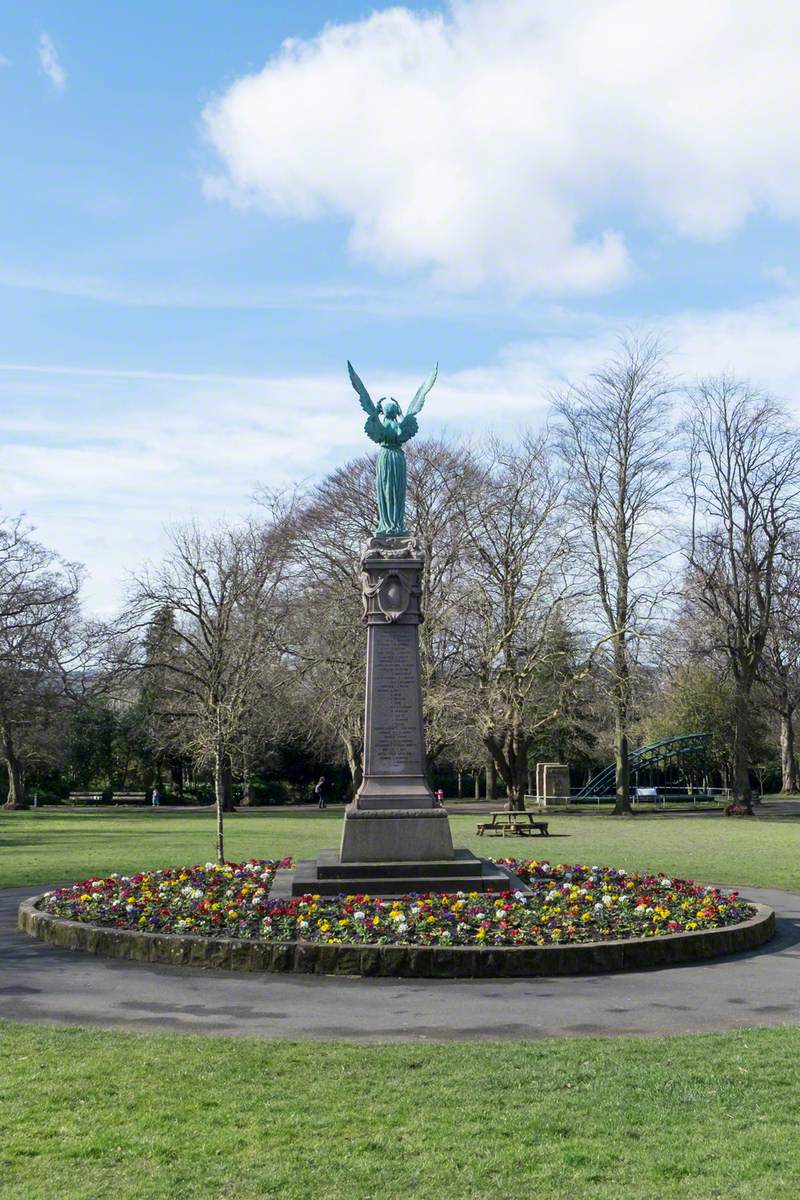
[429,962]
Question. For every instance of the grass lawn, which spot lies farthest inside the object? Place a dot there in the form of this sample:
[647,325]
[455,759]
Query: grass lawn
[84,1114]
[58,846]
[89,1114]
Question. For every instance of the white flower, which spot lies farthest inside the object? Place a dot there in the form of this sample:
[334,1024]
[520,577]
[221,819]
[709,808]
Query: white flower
[303,924]
[666,883]
[359,916]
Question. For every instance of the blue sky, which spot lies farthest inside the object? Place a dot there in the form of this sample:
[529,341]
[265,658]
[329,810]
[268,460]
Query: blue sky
[198,225]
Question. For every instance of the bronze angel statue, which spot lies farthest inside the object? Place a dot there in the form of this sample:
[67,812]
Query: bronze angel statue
[387,426]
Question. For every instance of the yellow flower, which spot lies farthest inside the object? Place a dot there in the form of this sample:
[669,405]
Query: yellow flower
[480,935]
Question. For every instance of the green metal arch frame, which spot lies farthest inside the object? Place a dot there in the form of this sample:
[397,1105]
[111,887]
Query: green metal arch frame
[674,749]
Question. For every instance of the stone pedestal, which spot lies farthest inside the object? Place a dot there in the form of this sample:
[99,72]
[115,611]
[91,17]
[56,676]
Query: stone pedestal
[395,816]
[552,783]
[396,836]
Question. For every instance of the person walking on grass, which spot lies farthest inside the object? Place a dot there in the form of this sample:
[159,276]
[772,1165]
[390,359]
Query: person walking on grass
[155,798]
[319,792]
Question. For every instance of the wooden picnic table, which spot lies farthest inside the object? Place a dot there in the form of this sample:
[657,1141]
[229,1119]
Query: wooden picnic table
[515,823]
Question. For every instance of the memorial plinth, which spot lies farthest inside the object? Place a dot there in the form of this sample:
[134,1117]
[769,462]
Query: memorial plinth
[396,836]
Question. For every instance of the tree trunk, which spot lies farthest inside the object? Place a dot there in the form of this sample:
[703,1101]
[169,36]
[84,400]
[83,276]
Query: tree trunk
[788,760]
[353,753]
[491,779]
[248,791]
[516,797]
[176,771]
[510,760]
[16,773]
[518,760]
[742,791]
[16,786]
[622,803]
[219,793]
[477,785]
[460,790]
[227,783]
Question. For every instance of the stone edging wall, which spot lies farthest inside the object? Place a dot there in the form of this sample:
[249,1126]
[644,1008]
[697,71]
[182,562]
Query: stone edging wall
[238,954]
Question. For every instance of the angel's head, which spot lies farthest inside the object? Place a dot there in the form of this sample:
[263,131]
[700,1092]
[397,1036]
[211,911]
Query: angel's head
[390,408]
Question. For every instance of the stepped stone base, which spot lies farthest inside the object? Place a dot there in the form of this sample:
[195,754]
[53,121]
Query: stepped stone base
[395,835]
[463,871]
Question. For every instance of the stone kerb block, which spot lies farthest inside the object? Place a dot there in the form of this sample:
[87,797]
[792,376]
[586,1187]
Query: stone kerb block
[552,782]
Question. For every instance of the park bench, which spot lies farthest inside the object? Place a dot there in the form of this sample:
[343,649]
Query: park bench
[515,824]
[86,797]
[97,797]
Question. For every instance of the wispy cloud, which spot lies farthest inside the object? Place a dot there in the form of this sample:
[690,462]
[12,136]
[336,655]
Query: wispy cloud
[376,301]
[101,459]
[50,62]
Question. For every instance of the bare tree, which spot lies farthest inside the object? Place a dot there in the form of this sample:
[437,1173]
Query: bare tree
[324,635]
[224,589]
[38,619]
[744,475]
[513,582]
[613,438]
[779,673]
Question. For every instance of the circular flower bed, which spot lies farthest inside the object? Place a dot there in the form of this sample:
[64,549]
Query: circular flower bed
[568,904]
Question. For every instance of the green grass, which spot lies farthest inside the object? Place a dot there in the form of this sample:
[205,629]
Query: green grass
[88,1114]
[56,846]
[85,1114]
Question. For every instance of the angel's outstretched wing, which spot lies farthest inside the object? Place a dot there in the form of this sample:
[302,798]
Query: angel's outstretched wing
[419,399]
[373,426]
[408,425]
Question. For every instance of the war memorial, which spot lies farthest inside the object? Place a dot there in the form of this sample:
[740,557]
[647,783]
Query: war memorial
[396,897]
[396,835]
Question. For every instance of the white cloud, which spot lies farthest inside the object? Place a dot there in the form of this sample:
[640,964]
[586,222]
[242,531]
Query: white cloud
[50,62]
[484,143]
[102,460]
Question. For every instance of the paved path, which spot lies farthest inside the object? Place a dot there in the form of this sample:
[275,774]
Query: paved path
[43,984]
